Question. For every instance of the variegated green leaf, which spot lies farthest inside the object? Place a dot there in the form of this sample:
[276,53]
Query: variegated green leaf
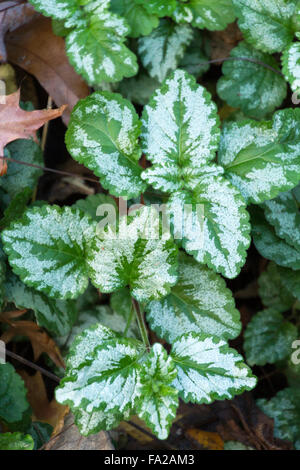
[207,369]
[102,376]
[200,302]
[271,246]
[272,289]
[135,256]
[120,302]
[163,49]
[95,41]
[268,338]
[249,85]
[2,282]
[267,24]
[92,422]
[180,133]
[211,14]
[158,399]
[291,64]
[195,60]
[182,13]
[13,401]
[140,19]
[219,234]
[46,248]
[159,7]
[57,316]
[16,441]
[16,207]
[138,89]
[91,205]
[104,315]
[59,9]
[283,214]
[103,135]
[262,158]
[291,281]
[284,408]
[20,177]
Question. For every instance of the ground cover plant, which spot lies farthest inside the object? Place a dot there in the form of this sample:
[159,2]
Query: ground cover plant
[150,239]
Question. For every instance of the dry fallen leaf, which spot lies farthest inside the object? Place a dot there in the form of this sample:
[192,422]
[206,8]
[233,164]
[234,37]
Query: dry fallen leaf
[48,412]
[223,41]
[37,50]
[15,123]
[241,420]
[13,14]
[208,440]
[70,439]
[40,341]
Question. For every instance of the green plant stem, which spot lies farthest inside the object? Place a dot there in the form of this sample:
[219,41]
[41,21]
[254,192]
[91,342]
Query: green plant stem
[129,320]
[141,323]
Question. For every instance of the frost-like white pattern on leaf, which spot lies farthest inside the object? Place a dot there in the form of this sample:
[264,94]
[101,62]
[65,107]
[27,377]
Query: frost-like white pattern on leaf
[267,24]
[180,133]
[105,379]
[163,49]
[92,423]
[268,338]
[250,86]
[95,43]
[135,256]
[46,249]
[103,135]
[208,369]
[200,302]
[223,238]
[159,401]
[58,9]
[57,316]
[182,13]
[262,158]
[291,65]
[211,14]
[283,214]
[84,345]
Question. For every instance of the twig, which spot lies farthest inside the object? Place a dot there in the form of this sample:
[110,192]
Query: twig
[15,4]
[141,323]
[33,366]
[52,170]
[46,126]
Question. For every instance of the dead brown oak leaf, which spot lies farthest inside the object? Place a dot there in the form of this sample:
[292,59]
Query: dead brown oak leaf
[13,14]
[35,48]
[15,123]
[40,341]
[48,412]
